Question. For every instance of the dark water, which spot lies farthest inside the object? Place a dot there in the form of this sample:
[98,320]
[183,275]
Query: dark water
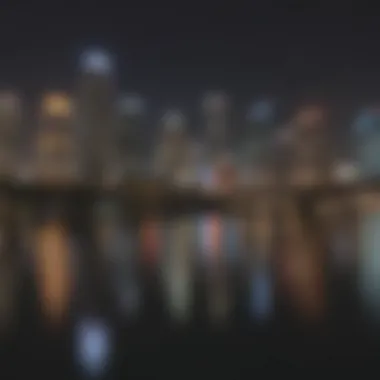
[152,347]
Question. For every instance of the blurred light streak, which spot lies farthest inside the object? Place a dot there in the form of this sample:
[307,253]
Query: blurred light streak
[178,268]
[54,280]
[301,270]
[150,241]
[93,346]
[262,301]
[369,260]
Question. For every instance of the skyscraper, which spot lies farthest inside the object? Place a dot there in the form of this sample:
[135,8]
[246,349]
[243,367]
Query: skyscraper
[216,113]
[132,140]
[366,134]
[56,146]
[10,128]
[96,110]
[308,154]
[170,151]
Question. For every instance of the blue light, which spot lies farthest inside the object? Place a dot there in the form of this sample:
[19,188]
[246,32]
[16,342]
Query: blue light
[93,346]
[261,295]
[96,61]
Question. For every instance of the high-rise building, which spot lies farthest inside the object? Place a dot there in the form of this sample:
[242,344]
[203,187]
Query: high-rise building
[10,129]
[57,146]
[171,150]
[307,153]
[368,258]
[216,114]
[96,110]
[366,134]
[257,148]
[132,139]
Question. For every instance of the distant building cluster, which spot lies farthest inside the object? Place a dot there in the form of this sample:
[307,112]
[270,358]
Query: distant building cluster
[98,132]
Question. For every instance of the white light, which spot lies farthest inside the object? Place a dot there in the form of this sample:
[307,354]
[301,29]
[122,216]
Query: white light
[93,346]
[131,105]
[96,61]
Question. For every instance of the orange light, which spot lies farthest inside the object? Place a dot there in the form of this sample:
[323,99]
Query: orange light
[57,105]
[53,270]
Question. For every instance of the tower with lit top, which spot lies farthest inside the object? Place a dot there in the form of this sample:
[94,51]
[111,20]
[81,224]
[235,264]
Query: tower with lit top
[56,149]
[96,109]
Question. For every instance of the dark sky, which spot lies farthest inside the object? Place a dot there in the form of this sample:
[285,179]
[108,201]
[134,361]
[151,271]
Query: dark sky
[172,52]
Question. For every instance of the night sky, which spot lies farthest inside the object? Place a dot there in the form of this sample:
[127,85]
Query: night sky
[173,52]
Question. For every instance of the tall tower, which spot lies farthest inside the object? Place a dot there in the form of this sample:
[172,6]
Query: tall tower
[131,141]
[366,134]
[56,150]
[256,149]
[216,112]
[55,160]
[96,110]
[309,154]
[10,125]
[256,156]
[171,150]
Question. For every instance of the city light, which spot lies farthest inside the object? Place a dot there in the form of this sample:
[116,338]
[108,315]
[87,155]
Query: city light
[93,346]
[57,105]
[52,260]
[96,61]
[262,302]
